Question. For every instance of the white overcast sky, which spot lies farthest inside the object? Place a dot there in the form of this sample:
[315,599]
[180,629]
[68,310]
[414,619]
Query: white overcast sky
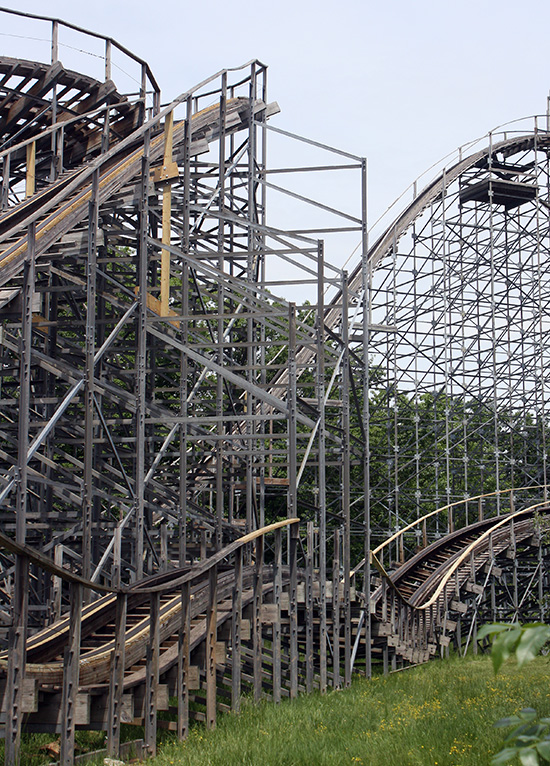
[400,82]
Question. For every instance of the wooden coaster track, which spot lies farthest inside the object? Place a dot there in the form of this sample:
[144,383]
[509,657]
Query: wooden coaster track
[256,612]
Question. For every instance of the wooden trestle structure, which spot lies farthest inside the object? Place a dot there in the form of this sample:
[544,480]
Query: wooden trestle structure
[185,455]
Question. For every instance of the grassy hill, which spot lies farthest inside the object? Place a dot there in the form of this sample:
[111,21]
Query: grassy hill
[439,714]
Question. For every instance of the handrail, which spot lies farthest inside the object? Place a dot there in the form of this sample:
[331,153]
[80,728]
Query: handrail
[456,564]
[426,516]
[204,566]
[448,160]
[34,556]
[58,126]
[85,173]
[90,33]
[452,505]
[470,548]
[38,558]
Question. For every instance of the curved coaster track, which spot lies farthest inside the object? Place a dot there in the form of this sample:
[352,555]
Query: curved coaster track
[192,462]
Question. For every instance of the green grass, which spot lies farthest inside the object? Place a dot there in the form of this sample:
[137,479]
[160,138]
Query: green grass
[438,715]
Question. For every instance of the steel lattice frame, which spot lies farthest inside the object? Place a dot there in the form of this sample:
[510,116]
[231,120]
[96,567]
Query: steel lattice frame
[458,340]
[169,401]
[159,396]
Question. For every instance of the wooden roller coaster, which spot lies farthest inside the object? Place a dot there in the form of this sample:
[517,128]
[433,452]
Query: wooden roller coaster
[190,463]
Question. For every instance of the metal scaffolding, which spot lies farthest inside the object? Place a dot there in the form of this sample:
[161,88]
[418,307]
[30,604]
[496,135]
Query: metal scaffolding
[187,371]
[459,303]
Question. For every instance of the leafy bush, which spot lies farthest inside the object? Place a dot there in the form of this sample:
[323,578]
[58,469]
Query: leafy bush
[530,739]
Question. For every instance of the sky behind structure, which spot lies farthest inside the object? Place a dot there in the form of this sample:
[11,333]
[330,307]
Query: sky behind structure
[400,82]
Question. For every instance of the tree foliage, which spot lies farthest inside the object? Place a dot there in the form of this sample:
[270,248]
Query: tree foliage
[529,740]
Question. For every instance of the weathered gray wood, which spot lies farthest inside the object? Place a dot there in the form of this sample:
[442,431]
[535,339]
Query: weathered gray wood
[309,609]
[183,667]
[257,619]
[71,671]
[211,640]
[116,686]
[152,659]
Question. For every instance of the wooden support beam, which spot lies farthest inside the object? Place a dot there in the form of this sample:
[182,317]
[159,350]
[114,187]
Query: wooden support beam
[116,686]
[309,608]
[336,682]
[152,676]
[257,619]
[293,611]
[184,669]
[277,593]
[211,640]
[166,219]
[71,672]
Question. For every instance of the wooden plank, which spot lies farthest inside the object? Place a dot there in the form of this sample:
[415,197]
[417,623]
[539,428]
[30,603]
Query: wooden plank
[458,606]
[50,712]
[154,304]
[473,587]
[270,613]
[165,172]
[162,699]
[30,695]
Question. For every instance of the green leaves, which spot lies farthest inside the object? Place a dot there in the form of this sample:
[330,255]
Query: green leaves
[528,757]
[532,640]
[525,641]
[530,739]
[504,644]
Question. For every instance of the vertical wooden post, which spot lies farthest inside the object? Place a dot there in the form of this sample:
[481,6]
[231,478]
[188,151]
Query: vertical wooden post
[141,359]
[336,683]
[6,162]
[152,676]
[236,618]
[55,41]
[221,309]
[71,671]
[57,584]
[257,619]
[16,662]
[30,178]
[108,59]
[184,244]
[277,591]
[166,218]
[309,609]
[184,662]
[366,285]
[293,610]
[116,684]
[117,558]
[106,135]
[91,301]
[322,500]
[346,481]
[18,633]
[211,638]
[292,421]
[143,92]
[164,546]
